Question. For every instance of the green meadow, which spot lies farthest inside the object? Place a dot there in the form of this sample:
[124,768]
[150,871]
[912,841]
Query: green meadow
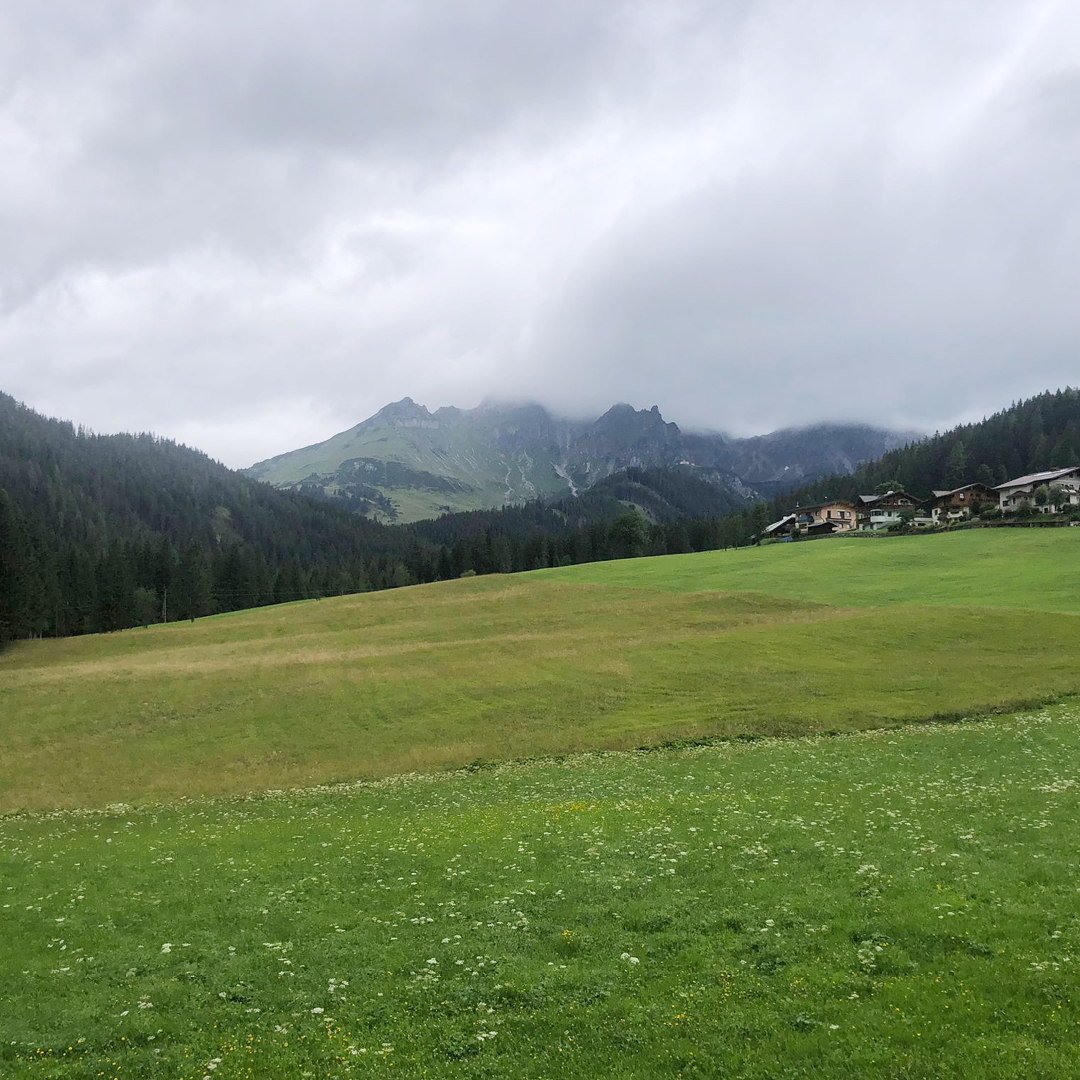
[794,639]
[557,825]
[891,904]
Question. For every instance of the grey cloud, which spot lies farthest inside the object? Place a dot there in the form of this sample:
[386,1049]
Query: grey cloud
[250,224]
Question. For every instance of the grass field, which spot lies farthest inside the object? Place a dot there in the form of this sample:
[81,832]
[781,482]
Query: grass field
[897,903]
[894,904]
[829,636]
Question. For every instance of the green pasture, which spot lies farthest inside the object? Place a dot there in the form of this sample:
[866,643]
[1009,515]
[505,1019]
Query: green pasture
[1035,569]
[893,904]
[836,635]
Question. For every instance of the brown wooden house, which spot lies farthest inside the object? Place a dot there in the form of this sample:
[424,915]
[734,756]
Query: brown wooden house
[961,502]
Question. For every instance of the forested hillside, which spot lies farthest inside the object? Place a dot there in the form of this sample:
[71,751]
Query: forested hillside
[101,532]
[1042,432]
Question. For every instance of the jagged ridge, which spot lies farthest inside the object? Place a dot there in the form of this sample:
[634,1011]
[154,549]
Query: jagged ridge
[406,463]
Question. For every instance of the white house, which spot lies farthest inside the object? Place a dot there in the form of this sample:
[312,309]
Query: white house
[1022,489]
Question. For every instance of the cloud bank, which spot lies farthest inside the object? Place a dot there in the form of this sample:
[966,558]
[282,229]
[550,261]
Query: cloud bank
[248,226]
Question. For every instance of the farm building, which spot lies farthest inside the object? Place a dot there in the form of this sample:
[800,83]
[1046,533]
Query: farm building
[790,525]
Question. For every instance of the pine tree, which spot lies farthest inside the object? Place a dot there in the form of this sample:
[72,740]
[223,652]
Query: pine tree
[11,559]
[193,591]
[954,473]
[626,539]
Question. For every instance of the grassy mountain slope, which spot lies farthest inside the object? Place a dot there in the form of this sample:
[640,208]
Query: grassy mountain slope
[1013,569]
[841,635]
[405,463]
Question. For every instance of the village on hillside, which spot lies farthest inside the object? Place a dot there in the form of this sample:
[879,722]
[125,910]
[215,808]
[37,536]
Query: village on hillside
[1056,491]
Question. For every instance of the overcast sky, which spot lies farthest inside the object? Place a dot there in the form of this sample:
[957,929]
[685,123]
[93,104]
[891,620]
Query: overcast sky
[250,225]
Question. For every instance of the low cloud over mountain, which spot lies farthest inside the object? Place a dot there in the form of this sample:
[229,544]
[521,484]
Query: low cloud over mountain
[247,224]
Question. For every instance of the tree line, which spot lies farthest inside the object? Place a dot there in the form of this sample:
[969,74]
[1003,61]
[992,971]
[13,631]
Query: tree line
[1034,435]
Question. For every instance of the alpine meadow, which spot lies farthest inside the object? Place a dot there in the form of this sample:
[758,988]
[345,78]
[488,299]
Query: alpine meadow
[656,817]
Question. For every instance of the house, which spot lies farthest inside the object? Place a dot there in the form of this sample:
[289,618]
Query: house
[880,511]
[1023,488]
[839,513]
[961,502]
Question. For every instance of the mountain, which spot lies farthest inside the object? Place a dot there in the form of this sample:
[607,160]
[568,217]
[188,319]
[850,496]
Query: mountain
[406,463]
[101,532]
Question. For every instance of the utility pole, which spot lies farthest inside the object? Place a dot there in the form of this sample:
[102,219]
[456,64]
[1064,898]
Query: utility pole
[165,606]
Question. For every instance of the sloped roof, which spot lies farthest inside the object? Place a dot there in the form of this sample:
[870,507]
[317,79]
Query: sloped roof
[965,487]
[827,502]
[869,500]
[1038,477]
[779,524]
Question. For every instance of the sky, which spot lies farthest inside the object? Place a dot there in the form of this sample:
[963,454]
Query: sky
[248,226]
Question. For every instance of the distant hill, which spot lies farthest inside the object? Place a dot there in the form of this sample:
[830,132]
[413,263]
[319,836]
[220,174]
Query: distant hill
[94,529]
[406,463]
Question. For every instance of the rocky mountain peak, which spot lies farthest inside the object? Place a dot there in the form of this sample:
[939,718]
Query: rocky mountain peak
[623,419]
[405,413]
